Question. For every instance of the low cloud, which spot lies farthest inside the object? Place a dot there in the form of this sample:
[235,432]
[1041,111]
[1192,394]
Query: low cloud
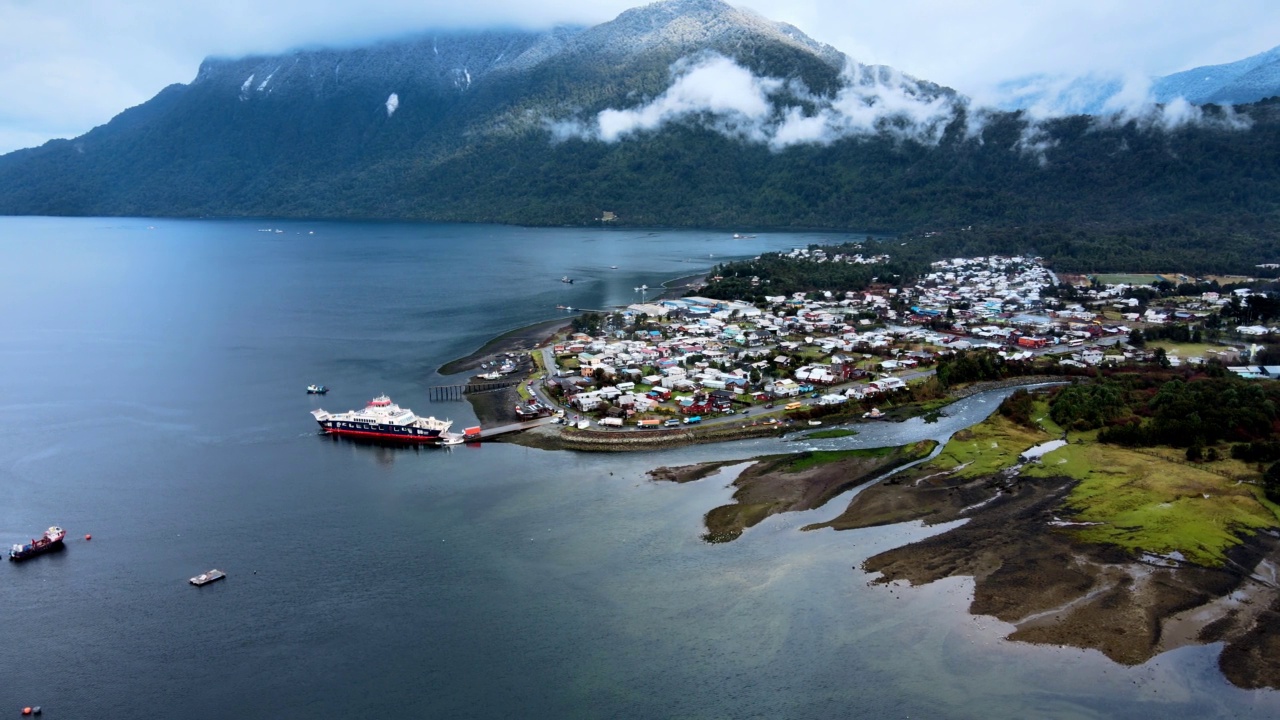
[878,101]
[733,101]
[1134,102]
[1113,102]
[713,85]
[871,101]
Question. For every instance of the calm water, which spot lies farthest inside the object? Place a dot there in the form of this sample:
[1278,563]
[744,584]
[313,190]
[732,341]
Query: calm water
[151,393]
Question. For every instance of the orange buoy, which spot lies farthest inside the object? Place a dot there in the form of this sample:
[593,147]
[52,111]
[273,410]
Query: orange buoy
[26,711]
[88,537]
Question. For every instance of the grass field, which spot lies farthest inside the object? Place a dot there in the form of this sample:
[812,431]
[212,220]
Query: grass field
[1152,504]
[1228,279]
[833,433]
[1187,350]
[1143,501]
[987,448]
[1127,279]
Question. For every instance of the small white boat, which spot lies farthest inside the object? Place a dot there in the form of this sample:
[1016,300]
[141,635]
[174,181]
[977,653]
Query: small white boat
[317,389]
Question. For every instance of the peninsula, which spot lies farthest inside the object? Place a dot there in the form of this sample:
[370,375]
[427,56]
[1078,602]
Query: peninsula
[1130,509]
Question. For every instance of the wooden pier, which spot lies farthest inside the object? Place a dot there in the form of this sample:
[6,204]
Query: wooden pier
[457,392]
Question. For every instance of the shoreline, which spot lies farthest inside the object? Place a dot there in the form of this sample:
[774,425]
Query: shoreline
[526,337]
[555,437]
[539,333]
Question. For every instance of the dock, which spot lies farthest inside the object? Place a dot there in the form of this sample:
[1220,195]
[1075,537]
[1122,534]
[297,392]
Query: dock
[458,392]
[207,577]
[491,433]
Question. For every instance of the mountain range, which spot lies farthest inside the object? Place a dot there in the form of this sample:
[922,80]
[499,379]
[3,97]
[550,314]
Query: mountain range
[1249,80]
[1244,81]
[679,113]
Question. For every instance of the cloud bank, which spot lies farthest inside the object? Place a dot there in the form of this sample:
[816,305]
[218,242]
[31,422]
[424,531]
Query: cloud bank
[722,95]
[717,93]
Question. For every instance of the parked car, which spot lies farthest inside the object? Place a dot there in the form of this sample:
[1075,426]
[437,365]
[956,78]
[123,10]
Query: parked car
[768,405]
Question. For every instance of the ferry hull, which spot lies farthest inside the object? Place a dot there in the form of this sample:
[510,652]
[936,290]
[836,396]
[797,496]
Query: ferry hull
[407,435]
[29,551]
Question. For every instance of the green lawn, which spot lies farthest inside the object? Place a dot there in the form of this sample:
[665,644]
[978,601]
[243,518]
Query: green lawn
[1126,279]
[1148,504]
[833,433]
[1186,350]
[1147,501]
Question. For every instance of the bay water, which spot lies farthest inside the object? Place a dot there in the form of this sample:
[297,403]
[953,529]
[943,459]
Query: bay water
[152,377]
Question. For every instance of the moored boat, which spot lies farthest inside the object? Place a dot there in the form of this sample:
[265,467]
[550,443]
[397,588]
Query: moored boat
[51,540]
[205,578]
[566,279]
[317,389]
[382,419]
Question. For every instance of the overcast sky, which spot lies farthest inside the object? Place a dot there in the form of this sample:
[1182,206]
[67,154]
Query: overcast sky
[68,65]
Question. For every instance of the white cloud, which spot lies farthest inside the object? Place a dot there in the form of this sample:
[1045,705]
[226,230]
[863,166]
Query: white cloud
[869,104]
[1113,102]
[712,84]
[730,99]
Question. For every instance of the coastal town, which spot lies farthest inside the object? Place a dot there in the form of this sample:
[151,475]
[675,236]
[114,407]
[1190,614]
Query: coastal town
[693,360]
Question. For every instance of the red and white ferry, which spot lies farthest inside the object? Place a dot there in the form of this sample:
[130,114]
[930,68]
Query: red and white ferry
[383,419]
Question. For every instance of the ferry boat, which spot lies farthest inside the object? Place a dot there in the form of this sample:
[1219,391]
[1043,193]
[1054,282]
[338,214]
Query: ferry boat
[205,578]
[52,540]
[382,419]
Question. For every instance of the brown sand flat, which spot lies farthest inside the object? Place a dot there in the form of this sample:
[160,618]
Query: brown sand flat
[772,486]
[1031,572]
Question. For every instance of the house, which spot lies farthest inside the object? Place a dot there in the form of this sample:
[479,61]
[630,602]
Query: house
[888,384]
[784,388]
[586,401]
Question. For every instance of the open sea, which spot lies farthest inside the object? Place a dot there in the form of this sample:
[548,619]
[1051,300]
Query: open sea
[152,377]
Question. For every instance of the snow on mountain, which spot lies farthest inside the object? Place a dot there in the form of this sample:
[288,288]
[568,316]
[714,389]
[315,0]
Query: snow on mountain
[1243,81]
